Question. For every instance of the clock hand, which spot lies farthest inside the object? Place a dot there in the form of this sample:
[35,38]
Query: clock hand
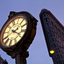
[15,31]
[21,21]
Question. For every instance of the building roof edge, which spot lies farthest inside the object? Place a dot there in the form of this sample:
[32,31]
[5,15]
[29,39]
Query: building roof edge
[47,11]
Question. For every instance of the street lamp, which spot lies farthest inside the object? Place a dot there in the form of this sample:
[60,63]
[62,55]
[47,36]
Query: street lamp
[17,34]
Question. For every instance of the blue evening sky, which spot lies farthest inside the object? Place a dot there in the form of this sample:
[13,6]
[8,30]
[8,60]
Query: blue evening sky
[38,53]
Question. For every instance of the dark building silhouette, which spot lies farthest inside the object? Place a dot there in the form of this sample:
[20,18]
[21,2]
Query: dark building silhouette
[3,61]
[54,35]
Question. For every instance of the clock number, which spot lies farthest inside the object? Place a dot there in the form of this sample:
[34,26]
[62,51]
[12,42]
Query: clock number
[10,42]
[22,21]
[9,27]
[13,22]
[23,30]
[5,37]
[15,40]
[24,25]
[17,21]
[6,41]
[19,35]
[7,30]
[18,38]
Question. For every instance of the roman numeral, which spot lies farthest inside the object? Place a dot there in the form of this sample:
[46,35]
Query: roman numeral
[9,27]
[10,42]
[6,41]
[21,21]
[5,37]
[24,25]
[23,30]
[13,22]
[15,40]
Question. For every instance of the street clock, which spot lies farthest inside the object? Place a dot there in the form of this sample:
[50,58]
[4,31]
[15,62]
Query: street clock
[18,32]
[13,31]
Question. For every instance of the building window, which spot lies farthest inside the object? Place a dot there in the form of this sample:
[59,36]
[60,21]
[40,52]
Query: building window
[55,27]
[46,19]
[52,23]
[54,45]
[58,56]
[57,51]
[62,34]
[59,62]
[53,40]
[63,62]
[51,34]
[45,15]
[58,30]
[47,22]
[49,30]
[61,56]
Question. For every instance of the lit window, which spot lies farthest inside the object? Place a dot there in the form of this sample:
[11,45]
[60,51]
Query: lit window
[52,51]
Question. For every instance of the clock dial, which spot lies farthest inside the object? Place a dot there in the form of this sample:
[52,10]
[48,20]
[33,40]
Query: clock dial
[13,31]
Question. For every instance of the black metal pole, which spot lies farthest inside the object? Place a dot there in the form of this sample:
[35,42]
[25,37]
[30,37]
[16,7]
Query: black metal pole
[21,58]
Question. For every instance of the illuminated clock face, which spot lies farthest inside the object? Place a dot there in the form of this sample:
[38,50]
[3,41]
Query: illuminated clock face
[13,31]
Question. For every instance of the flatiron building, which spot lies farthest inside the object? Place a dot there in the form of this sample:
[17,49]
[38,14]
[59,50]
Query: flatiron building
[54,36]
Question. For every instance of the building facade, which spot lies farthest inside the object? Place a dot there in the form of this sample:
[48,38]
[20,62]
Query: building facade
[54,35]
[3,61]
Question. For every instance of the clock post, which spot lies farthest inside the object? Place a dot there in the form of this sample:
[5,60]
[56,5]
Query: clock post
[21,58]
[17,35]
